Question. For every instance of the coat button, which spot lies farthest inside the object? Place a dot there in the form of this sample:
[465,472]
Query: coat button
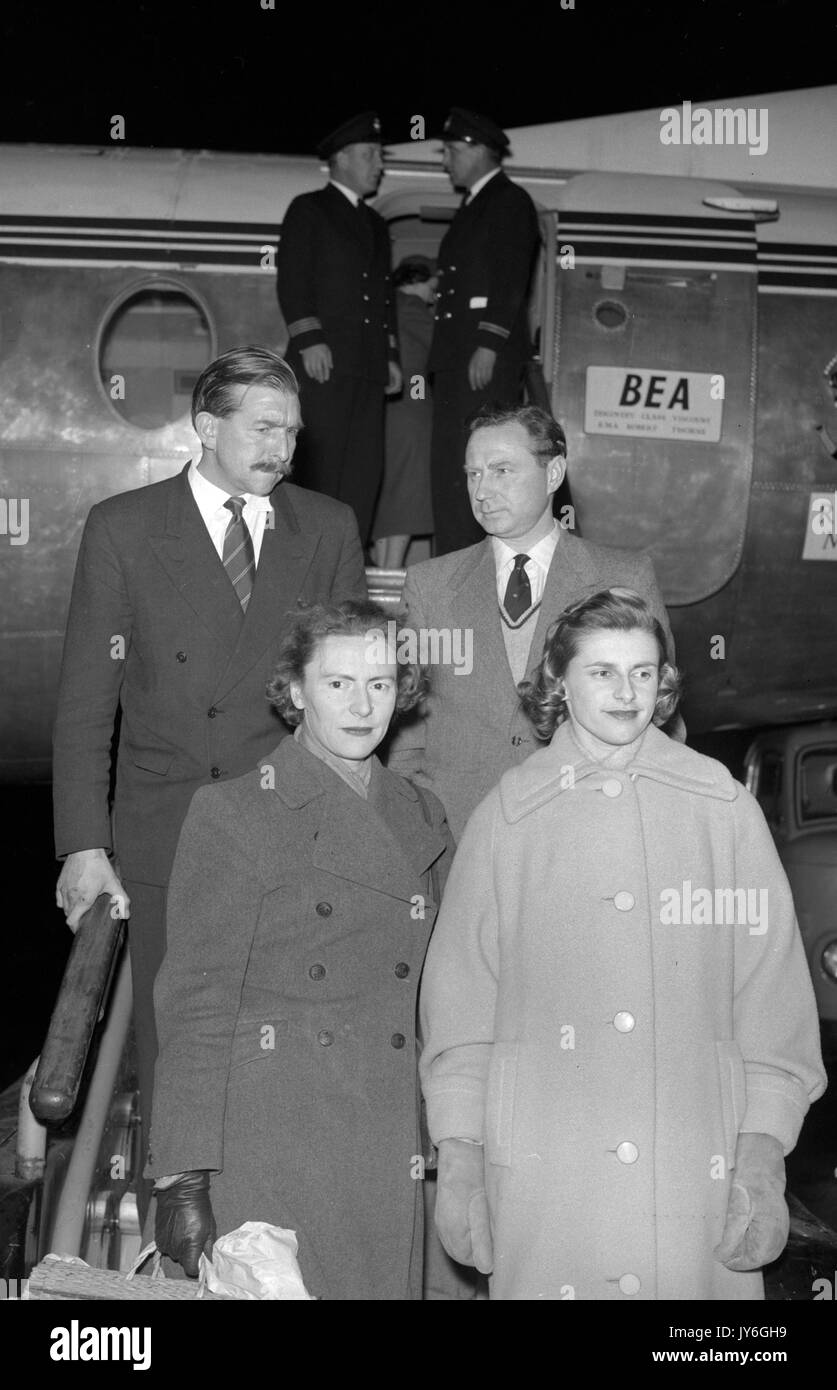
[623,902]
[324,909]
[317,972]
[448,316]
[325,1039]
[211,712]
[624,1022]
[402,970]
[397,1040]
[630,1283]
[612,787]
[627,1152]
[215,773]
[366,296]
[181,656]
[365,320]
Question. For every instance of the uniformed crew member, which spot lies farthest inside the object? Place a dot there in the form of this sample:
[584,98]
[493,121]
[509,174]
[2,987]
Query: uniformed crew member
[334,290]
[481,339]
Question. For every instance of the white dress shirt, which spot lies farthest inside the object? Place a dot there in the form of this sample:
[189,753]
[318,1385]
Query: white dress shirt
[536,567]
[217,517]
[480,183]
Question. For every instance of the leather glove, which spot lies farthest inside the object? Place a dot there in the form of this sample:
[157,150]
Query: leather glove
[462,1216]
[757,1223]
[185,1226]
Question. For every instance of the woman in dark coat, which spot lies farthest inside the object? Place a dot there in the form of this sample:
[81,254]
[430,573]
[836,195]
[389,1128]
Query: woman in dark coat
[404,507]
[299,911]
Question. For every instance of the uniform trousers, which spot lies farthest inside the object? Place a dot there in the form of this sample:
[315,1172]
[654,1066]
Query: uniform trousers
[147,946]
[341,449]
[453,402]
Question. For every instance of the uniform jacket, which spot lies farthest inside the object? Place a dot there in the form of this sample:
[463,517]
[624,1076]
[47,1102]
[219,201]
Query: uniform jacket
[334,283]
[155,629]
[298,918]
[607,1056]
[473,727]
[485,264]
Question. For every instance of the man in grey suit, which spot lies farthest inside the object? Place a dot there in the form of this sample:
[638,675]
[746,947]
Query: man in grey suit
[501,594]
[183,592]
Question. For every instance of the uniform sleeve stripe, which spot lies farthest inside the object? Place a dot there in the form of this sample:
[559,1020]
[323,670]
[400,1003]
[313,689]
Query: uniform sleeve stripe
[303,326]
[486,327]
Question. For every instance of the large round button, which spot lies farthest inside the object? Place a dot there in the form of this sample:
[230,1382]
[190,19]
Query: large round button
[612,787]
[211,712]
[397,1040]
[317,972]
[325,1038]
[181,656]
[627,1152]
[624,1022]
[630,1283]
[215,772]
[448,316]
[623,902]
[324,909]
[402,970]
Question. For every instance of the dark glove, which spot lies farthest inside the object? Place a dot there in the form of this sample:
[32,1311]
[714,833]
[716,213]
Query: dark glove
[185,1226]
[756,1229]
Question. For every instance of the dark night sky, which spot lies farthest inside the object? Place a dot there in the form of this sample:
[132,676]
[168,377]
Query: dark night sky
[227,74]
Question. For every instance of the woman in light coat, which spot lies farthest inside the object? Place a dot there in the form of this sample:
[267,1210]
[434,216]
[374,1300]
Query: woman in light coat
[299,911]
[621,1035]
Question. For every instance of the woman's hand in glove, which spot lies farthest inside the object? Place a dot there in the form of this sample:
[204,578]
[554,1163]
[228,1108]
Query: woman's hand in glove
[757,1223]
[185,1226]
[462,1217]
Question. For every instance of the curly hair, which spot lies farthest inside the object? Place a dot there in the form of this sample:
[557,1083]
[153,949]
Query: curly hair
[353,618]
[620,610]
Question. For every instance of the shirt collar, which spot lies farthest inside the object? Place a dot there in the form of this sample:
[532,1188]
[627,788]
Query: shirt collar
[354,198]
[542,552]
[480,183]
[211,498]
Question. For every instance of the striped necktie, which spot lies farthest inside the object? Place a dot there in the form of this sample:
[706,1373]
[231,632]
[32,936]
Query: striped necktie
[239,557]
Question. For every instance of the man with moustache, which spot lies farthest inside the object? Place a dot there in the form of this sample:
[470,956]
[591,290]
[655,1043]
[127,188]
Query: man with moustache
[183,592]
[333,281]
[506,590]
[481,338]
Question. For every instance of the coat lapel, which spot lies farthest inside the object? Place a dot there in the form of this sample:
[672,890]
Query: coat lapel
[186,553]
[284,560]
[474,603]
[382,843]
[570,572]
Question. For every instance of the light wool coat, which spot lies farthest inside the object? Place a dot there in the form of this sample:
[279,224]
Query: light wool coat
[609,1061]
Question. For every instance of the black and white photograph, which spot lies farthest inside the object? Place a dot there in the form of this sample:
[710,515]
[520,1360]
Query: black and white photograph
[418,669]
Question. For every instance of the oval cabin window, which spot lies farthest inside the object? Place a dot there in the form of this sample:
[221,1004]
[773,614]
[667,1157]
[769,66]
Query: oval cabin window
[151,351]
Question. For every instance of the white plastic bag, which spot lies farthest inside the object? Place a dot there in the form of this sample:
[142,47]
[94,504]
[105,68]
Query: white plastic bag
[254,1261]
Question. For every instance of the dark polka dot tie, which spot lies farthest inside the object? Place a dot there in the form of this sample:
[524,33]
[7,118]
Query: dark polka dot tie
[518,598]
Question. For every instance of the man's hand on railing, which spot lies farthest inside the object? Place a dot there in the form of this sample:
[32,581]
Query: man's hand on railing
[86,874]
[185,1225]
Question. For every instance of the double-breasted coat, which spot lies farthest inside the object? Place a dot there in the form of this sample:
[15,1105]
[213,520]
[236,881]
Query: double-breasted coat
[485,265]
[334,286]
[156,634]
[298,919]
[606,1053]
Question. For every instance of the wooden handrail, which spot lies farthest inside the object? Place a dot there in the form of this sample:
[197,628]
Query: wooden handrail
[81,1000]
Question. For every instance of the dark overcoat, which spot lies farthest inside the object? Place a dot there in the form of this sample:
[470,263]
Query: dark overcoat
[334,283]
[156,630]
[298,919]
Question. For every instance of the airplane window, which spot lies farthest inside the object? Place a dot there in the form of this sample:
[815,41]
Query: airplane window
[818,784]
[151,352]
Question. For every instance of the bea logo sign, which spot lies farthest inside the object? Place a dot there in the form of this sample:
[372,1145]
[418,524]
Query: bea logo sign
[654,403]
